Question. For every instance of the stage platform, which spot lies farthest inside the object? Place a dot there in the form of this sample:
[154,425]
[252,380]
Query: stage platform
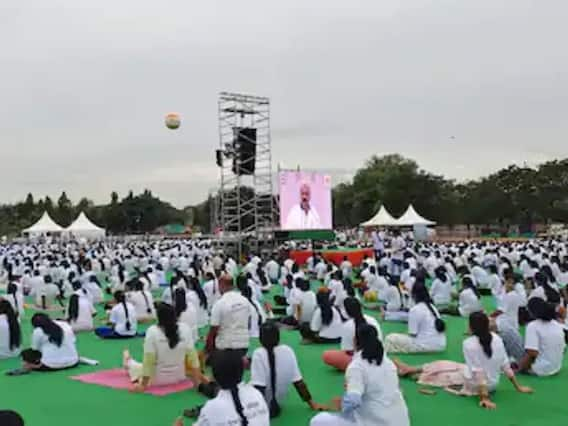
[336,256]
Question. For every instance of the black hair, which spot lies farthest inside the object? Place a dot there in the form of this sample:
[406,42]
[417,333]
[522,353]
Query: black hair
[467,282]
[13,324]
[120,298]
[367,341]
[304,285]
[167,321]
[228,373]
[325,307]
[353,309]
[139,286]
[73,310]
[479,326]
[420,295]
[552,296]
[348,287]
[246,291]
[10,418]
[179,301]
[53,331]
[13,290]
[270,338]
[194,282]
[541,310]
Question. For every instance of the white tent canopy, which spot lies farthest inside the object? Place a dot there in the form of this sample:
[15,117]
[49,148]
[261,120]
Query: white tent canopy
[411,218]
[382,218]
[45,225]
[83,227]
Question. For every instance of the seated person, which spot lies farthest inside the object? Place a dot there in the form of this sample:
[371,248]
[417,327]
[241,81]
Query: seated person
[426,329]
[169,354]
[325,326]
[52,347]
[274,368]
[122,319]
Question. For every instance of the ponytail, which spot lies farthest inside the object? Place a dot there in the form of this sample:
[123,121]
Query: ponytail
[270,338]
[73,311]
[13,290]
[238,405]
[43,302]
[119,297]
[439,323]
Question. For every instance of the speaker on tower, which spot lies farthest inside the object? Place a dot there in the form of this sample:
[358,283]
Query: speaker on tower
[244,142]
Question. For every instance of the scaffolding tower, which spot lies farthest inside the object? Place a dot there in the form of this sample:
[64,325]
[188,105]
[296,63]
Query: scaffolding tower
[245,204]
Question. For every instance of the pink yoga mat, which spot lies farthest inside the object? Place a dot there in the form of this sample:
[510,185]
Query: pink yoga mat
[118,379]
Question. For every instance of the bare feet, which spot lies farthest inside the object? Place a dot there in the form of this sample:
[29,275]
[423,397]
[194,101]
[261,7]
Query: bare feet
[126,358]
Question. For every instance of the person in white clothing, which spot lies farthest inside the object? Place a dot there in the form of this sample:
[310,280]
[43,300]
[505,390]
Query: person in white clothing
[395,308]
[274,368]
[372,393]
[169,354]
[303,215]
[142,301]
[469,299]
[236,403]
[441,289]
[229,320]
[426,329]
[544,341]
[122,320]
[508,309]
[52,346]
[80,312]
[211,289]
[186,312]
[10,331]
[257,313]
[340,359]
[485,360]
[325,326]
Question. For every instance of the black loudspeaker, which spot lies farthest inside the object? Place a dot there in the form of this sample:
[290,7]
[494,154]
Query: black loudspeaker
[245,150]
[219,157]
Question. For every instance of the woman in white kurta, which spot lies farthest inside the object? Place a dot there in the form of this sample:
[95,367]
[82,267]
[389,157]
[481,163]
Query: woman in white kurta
[80,312]
[426,329]
[372,395]
[168,349]
[186,312]
[485,360]
[236,403]
[469,299]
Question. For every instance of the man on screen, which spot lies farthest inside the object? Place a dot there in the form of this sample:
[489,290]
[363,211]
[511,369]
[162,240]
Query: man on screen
[303,215]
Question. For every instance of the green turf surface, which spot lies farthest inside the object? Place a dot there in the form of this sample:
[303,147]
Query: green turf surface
[52,399]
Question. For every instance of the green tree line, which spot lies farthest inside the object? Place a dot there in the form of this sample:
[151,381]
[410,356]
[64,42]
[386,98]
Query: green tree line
[511,196]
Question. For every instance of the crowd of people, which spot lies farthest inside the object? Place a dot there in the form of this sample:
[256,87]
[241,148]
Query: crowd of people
[204,308]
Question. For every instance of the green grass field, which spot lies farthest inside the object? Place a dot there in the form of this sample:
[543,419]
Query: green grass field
[52,399]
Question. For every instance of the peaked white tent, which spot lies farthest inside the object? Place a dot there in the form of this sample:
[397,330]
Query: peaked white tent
[411,218]
[83,227]
[45,225]
[382,218]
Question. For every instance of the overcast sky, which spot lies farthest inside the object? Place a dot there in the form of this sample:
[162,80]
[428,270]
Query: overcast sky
[85,84]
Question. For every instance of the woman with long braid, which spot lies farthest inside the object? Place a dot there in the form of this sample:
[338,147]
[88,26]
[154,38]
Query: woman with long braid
[122,319]
[236,403]
[274,368]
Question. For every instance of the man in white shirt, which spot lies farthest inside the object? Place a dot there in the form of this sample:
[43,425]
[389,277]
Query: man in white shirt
[230,318]
[303,215]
